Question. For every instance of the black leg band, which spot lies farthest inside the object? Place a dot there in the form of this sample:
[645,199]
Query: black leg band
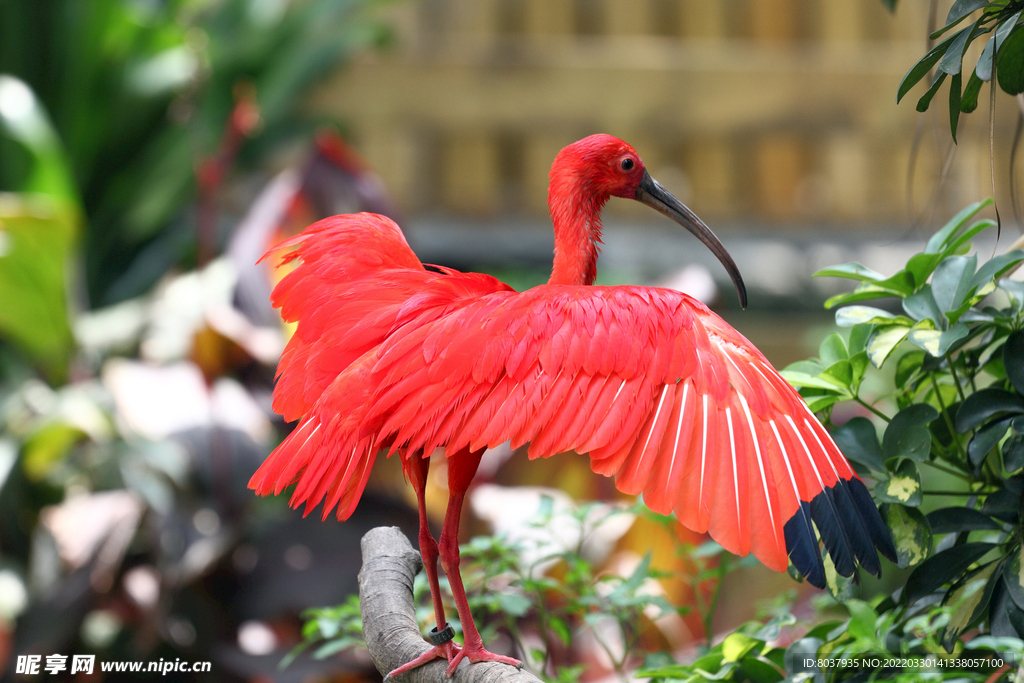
[443,636]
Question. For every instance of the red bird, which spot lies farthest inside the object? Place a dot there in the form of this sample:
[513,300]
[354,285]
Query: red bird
[662,394]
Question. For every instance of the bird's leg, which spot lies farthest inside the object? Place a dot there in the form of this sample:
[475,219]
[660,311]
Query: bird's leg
[417,468]
[461,468]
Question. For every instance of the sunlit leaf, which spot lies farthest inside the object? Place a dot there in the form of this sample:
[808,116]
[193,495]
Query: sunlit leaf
[911,533]
[943,567]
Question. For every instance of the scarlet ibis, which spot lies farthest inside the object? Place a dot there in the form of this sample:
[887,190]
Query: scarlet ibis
[391,356]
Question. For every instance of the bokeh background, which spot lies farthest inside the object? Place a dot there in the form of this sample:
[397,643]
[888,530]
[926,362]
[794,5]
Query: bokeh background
[152,150]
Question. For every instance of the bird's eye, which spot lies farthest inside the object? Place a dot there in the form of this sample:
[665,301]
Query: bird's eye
[627,164]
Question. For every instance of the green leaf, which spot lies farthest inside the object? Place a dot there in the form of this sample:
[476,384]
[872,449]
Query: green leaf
[911,533]
[902,486]
[925,65]
[954,519]
[1010,63]
[958,12]
[859,339]
[921,306]
[1013,454]
[858,441]
[800,380]
[861,315]
[736,646]
[1013,575]
[862,619]
[23,119]
[995,267]
[1003,504]
[970,600]
[985,403]
[943,567]
[908,364]
[884,341]
[946,237]
[952,58]
[851,271]
[560,628]
[929,94]
[983,69]
[35,245]
[937,342]
[832,349]
[1013,360]
[907,433]
[513,604]
[985,440]
[951,282]
[969,100]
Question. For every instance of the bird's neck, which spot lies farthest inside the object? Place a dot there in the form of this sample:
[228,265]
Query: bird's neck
[577,222]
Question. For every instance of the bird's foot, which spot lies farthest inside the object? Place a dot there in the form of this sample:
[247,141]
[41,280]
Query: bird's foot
[478,654]
[447,650]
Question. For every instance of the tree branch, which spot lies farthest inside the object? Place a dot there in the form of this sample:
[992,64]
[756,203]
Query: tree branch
[389,622]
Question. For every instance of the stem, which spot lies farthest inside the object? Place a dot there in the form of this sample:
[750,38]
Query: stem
[871,408]
[945,415]
[956,379]
[948,493]
[947,470]
[709,616]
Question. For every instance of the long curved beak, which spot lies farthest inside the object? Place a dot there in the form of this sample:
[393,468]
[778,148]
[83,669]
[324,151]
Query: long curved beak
[651,193]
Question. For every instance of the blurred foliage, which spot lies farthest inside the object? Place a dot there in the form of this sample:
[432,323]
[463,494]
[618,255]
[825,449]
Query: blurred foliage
[140,93]
[544,595]
[1001,60]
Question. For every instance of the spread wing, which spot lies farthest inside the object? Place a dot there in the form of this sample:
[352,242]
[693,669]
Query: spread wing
[659,391]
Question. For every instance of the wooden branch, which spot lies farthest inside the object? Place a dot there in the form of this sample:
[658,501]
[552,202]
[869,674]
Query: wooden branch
[389,623]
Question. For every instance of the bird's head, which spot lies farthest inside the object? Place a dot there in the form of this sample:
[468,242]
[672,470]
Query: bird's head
[587,173]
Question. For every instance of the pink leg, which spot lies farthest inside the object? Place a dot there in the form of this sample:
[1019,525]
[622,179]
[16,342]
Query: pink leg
[461,468]
[417,468]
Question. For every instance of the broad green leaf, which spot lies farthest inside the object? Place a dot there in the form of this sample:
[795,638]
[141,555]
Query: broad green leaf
[864,292]
[1013,454]
[920,266]
[911,533]
[1013,574]
[901,283]
[862,619]
[800,380]
[921,306]
[958,12]
[908,364]
[969,99]
[1013,359]
[945,237]
[858,441]
[839,587]
[937,342]
[951,282]
[985,440]
[47,447]
[758,669]
[848,316]
[736,646]
[925,100]
[35,244]
[841,372]
[1010,63]
[943,567]
[907,433]
[23,119]
[995,267]
[923,66]
[983,69]
[902,486]
[953,57]
[954,519]
[513,604]
[985,403]
[858,339]
[970,600]
[1003,504]
[832,349]
[885,340]
[852,271]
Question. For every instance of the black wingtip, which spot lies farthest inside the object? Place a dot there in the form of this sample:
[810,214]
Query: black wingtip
[850,527]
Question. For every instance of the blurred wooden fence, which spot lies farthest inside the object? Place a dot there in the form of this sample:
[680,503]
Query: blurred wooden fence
[779,112]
